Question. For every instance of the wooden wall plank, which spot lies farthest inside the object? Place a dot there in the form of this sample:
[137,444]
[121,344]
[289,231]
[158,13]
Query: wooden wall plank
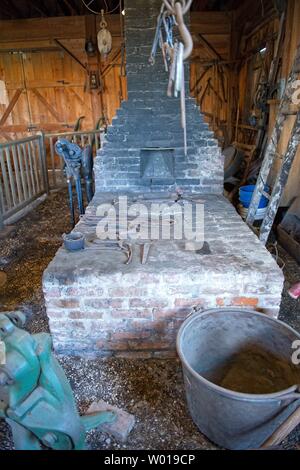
[53,78]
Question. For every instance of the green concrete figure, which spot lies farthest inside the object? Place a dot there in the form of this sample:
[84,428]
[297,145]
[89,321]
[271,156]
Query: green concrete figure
[36,399]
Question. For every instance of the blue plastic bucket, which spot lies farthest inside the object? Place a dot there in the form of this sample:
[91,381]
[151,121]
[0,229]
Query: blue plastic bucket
[246,193]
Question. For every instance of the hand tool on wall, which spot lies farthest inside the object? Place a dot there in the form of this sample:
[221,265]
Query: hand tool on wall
[270,155]
[36,399]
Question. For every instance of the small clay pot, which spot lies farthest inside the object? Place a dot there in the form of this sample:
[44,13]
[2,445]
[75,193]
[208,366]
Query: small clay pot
[74,241]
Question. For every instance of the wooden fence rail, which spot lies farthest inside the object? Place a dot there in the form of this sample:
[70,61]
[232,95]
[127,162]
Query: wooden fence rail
[54,163]
[29,168]
[22,175]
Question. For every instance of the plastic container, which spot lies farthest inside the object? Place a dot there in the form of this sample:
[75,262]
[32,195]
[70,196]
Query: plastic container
[74,241]
[246,193]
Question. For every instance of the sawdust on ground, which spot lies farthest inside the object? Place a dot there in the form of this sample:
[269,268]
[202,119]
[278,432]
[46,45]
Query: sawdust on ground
[152,390]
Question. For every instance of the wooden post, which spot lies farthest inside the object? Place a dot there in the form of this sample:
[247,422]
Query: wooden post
[1,209]
[94,66]
[281,181]
[235,37]
[43,161]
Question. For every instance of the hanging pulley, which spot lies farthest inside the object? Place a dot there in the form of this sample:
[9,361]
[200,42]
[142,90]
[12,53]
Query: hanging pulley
[104,37]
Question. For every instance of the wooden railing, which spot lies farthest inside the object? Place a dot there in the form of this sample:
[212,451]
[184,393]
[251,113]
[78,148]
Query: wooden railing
[23,175]
[29,168]
[54,163]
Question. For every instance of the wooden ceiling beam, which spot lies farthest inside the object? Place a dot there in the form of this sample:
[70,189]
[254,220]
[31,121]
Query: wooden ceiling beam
[5,15]
[11,106]
[208,47]
[36,7]
[43,5]
[69,7]
[59,9]
[17,9]
[12,9]
[208,24]
[65,49]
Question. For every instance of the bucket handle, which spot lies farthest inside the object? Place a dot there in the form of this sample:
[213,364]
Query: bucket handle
[284,430]
[294,394]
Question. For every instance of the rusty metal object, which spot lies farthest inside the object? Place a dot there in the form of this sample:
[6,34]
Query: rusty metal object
[186,5]
[107,245]
[145,248]
[179,9]
[184,32]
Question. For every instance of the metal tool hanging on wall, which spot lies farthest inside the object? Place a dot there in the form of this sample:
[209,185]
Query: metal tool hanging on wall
[78,163]
[36,399]
[174,52]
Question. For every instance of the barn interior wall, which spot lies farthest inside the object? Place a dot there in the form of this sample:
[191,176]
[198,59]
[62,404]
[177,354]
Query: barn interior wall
[48,88]
[255,34]
[42,87]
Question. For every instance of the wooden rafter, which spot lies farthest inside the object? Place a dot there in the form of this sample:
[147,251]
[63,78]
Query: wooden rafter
[65,49]
[78,97]
[49,107]
[57,7]
[208,47]
[37,8]
[11,106]
[44,7]
[108,68]
[70,7]
[11,7]
[200,79]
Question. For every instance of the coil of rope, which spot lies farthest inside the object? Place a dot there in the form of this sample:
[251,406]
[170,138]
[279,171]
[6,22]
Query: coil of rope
[87,5]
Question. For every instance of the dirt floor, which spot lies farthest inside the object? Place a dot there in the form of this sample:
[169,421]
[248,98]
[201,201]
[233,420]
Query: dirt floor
[152,390]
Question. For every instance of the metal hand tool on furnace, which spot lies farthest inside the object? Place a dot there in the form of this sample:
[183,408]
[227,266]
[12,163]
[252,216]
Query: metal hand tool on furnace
[145,248]
[106,245]
[77,161]
[157,36]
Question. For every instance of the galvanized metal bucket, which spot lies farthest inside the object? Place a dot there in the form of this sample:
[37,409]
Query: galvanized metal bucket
[206,342]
